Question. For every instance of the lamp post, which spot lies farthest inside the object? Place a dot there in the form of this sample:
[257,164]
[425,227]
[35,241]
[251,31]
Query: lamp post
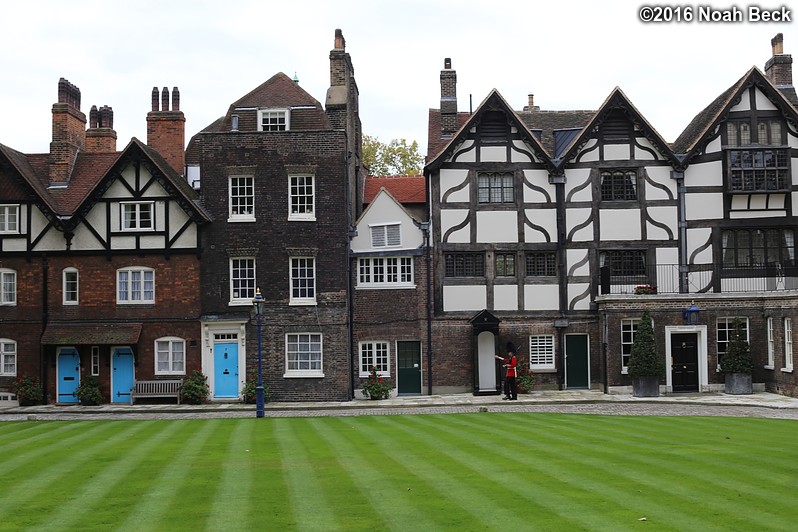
[260,398]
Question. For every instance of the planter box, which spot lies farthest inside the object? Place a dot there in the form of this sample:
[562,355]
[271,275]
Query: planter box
[645,387]
[739,384]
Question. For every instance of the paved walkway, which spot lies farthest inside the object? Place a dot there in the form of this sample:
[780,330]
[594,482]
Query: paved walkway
[578,401]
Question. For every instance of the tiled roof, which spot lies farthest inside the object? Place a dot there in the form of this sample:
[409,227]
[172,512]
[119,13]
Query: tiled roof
[404,188]
[89,170]
[61,333]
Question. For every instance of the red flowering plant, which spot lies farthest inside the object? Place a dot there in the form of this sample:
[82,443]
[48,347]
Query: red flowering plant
[526,377]
[375,387]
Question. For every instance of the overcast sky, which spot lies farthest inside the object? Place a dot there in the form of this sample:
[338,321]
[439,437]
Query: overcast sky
[569,54]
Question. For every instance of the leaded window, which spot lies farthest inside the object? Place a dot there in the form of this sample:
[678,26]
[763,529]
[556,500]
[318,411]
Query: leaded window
[464,265]
[495,187]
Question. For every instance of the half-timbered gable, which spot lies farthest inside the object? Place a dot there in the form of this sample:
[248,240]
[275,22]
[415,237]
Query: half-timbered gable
[620,206]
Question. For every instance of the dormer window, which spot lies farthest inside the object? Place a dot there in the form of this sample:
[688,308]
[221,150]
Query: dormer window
[273,120]
[138,216]
[757,159]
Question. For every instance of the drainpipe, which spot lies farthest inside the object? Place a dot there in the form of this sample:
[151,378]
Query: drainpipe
[680,188]
[425,226]
[350,293]
[45,318]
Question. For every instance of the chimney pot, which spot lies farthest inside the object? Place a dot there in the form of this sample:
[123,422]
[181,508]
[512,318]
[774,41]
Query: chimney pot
[175,99]
[93,117]
[165,99]
[155,99]
[447,63]
[340,42]
[777,43]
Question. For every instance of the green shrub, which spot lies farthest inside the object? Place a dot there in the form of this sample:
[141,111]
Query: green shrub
[526,377]
[28,390]
[88,391]
[643,360]
[251,387]
[195,390]
[738,354]
[375,387]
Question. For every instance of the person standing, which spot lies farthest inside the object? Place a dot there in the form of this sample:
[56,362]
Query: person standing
[510,363]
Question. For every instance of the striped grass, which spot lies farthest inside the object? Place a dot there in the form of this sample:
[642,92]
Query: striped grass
[484,471]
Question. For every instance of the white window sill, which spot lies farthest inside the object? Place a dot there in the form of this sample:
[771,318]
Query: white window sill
[303,374]
[386,286]
[135,303]
[70,303]
[624,371]
[240,219]
[768,366]
[786,370]
[172,374]
[240,303]
[380,375]
[304,218]
[302,303]
[543,370]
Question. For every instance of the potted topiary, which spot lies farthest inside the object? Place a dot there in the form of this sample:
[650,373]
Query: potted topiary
[28,391]
[88,391]
[737,364]
[645,367]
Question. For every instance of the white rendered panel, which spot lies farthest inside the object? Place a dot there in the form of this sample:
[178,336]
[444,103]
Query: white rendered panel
[742,215]
[53,240]
[576,290]
[451,218]
[13,244]
[662,176]
[544,218]
[385,210]
[541,297]
[714,145]
[577,256]
[744,104]
[540,179]
[464,298]
[85,240]
[576,217]
[465,153]
[616,152]
[698,238]
[620,224]
[704,175]
[155,189]
[451,179]
[505,297]
[669,216]
[497,226]
[588,157]
[517,157]
[645,155]
[668,256]
[762,102]
[493,154]
[704,206]
[573,179]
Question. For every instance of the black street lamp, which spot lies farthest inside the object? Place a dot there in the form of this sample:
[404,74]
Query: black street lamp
[690,314]
[260,397]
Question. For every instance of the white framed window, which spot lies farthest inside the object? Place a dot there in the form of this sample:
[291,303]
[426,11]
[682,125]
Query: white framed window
[170,356]
[9,218]
[301,198]
[8,357]
[303,355]
[375,355]
[541,352]
[135,286]
[95,360]
[303,281]
[725,328]
[274,120]
[628,330]
[69,286]
[8,287]
[242,280]
[385,272]
[771,345]
[787,344]
[241,198]
[386,235]
[138,216]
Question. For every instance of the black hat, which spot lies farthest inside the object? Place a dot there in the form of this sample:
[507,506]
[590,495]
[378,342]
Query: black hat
[510,347]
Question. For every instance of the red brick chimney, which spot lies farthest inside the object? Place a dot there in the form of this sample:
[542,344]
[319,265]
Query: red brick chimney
[166,129]
[101,137]
[778,68]
[448,99]
[69,132]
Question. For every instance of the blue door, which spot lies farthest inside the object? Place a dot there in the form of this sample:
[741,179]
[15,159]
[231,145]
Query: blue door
[122,374]
[225,370]
[68,375]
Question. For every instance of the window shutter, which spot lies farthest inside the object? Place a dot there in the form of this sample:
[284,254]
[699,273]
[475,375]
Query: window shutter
[378,236]
[394,236]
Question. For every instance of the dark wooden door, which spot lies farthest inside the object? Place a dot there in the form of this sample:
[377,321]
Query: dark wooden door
[684,353]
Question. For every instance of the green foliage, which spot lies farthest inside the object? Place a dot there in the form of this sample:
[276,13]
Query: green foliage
[526,377]
[28,390]
[395,158]
[738,354]
[88,391]
[643,360]
[375,387]
[251,387]
[195,390]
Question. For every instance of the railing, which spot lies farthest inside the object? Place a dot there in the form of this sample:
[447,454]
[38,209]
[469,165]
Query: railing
[666,279]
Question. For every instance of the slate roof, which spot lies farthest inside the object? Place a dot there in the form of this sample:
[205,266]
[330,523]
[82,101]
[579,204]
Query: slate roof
[404,188]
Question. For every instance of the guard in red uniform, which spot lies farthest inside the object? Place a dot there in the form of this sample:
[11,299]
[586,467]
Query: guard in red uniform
[510,362]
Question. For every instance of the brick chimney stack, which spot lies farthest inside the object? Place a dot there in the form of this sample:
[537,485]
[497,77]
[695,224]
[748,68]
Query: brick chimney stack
[69,133]
[101,137]
[778,68]
[448,99]
[166,129]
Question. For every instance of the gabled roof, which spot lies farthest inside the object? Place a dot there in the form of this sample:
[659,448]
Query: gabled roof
[388,194]
[546,124]
[697,133]
[21,165]
[493,102]
[616,100]
[403,188]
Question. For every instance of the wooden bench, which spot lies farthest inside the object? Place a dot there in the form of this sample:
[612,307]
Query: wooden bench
[160,388]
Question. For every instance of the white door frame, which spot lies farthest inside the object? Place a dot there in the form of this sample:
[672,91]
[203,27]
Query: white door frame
[703,369]
[209,329]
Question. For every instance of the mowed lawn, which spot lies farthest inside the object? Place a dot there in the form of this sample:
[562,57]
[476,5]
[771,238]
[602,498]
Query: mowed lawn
[481,471]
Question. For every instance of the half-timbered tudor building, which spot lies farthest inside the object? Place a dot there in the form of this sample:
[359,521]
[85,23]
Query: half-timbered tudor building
[391,318]
[99,255]
[555,230]
[279,173]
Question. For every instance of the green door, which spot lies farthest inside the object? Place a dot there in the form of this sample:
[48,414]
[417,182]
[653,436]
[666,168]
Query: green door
[577,357]
[408,363]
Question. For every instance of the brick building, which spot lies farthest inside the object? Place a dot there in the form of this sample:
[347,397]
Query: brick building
[99,255]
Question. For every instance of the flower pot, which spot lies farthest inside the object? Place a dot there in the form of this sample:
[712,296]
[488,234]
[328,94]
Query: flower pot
[645,387]
[739,384]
